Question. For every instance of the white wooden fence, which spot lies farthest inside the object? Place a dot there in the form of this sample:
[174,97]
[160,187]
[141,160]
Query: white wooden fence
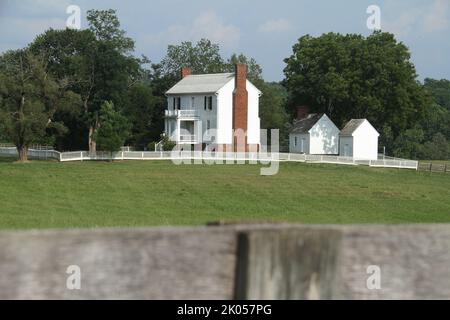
[209,156]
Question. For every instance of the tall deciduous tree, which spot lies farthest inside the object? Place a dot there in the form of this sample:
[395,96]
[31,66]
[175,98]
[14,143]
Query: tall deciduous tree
[202,57]
[98,62]
[254,70]
[350,76]
[141,110]
[29,98]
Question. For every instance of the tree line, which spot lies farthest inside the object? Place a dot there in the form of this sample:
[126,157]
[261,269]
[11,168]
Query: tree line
[85,89]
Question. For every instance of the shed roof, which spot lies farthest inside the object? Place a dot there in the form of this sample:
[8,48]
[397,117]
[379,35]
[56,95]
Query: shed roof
[351,126]
[304,125]
[201,83]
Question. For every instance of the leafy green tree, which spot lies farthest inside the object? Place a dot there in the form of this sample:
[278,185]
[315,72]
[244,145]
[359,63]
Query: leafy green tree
[113,128]
[29,98]
[254,70]
[439,90]
[106,26]
[409,143]
[140,109]
[202,57]
[99,64]
[350,76]
[70,55]
[438,148]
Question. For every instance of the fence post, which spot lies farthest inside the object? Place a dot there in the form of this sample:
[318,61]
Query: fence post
[431,164]
[81,155]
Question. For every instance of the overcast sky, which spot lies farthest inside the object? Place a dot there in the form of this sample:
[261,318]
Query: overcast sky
[263,29]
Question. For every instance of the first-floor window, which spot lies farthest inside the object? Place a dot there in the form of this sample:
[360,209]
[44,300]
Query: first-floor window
[302,145]
[295,141]
[208,124]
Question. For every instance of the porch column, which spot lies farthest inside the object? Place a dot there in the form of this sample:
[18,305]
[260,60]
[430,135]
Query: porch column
[178,130]
[198,132]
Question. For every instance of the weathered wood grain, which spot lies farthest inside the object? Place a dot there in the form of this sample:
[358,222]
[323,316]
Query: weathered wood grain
[118,264]
[331,262]
[223,262]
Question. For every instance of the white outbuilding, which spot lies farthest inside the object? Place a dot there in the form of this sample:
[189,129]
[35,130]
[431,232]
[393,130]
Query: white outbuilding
[314,134]
[359,139]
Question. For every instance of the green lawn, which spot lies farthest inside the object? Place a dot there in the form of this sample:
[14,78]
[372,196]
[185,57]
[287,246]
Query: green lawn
[141,193]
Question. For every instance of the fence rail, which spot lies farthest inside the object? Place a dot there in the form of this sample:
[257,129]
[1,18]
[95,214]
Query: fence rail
[209,156]
[434,167]
[265,261]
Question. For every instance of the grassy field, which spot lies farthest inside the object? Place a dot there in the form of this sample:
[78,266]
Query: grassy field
[132,193]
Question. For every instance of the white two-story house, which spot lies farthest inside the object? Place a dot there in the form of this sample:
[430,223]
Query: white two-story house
[210,108]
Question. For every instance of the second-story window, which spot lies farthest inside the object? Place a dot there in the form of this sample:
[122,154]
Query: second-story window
[208,103]
[173,104]
[192,102]
[178,103]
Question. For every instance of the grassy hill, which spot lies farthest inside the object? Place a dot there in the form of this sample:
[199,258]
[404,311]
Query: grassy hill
[44,194]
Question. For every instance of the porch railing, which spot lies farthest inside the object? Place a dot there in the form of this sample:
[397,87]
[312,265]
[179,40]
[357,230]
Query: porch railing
[181,113]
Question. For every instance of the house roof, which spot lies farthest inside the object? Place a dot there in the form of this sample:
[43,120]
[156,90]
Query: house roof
[351,126]
[201,83]
[304,125]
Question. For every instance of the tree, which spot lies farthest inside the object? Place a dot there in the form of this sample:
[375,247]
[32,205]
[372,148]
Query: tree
[350,76]
[254,70]
[29,98]
[71,55]
[141,111]
[106,27]
[409,143]
[439,90]
[99,64]
[113,128]
[115,70]
[438,148]
[203,57]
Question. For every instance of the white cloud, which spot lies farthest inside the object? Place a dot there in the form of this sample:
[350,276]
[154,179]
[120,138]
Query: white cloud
[437,17]
[275,25]
[401,25]
[53,8]
[430,18]
[207,25]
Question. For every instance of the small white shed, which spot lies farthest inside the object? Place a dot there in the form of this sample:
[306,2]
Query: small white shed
[359,139]
[314,134]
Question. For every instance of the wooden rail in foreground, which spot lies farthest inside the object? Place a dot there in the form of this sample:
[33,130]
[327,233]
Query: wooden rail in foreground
[225,262]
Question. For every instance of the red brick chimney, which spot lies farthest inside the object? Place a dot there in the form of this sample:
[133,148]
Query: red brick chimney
[185,72]
[302,112]
[240,98]
[240,101]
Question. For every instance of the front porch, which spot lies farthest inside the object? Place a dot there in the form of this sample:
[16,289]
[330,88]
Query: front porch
[183,131]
